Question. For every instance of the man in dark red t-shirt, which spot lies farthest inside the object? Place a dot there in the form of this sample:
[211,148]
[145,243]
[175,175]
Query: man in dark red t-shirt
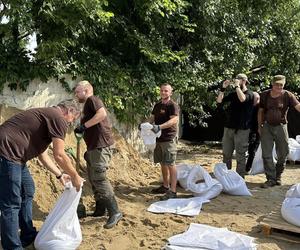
[272,127]
[97,134]
[22,137]
[165,118]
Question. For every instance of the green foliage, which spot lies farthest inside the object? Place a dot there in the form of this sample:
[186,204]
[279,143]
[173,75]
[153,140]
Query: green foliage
[127,48]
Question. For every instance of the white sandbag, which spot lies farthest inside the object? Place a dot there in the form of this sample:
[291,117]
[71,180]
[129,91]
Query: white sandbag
[188,207]
[231,181]
[199,236]
[148,136]
[258,164]
[202,184]
[290,209]
[61,229]
[183,171]
[294,150]
[298,138]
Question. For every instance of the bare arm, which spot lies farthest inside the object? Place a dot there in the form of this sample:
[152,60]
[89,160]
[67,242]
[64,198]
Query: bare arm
[64,162]
[220,96]
[48,163]
[297,107]
[51,166]
[173,121]
[239,92]
[98,117]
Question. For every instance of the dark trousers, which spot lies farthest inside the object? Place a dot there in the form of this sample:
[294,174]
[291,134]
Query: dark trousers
[254,140]
[16,195]
[97,163]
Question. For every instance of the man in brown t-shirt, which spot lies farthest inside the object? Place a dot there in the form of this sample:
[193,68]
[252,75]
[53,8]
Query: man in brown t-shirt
[272,126]
[23,137]
[97,134]
[165,118]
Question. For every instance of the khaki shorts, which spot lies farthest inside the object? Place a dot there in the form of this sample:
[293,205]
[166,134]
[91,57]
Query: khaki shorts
[165,153]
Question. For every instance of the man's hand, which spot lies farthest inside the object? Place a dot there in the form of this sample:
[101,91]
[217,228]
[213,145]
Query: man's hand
[64,179]
[80,129]
[155,128]
[77,182]
[236,83]
[226,83]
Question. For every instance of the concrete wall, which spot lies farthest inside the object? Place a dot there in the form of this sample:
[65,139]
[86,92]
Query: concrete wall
[40,94]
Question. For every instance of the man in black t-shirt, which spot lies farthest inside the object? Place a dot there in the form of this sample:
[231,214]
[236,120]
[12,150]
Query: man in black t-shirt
[237,123]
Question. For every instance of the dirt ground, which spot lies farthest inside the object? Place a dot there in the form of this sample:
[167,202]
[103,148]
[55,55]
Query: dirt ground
[133,178]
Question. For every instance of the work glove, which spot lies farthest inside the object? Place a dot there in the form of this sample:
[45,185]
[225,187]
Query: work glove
[80,129]
[155,128]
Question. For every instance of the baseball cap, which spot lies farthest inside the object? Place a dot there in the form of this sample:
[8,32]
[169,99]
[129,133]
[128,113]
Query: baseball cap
[242,77]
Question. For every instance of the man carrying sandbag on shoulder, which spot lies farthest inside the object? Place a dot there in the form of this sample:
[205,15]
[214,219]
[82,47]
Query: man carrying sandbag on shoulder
[23,137]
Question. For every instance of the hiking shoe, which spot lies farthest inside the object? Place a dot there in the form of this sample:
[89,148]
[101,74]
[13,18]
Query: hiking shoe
[268,184]
[169,195]
[160,190]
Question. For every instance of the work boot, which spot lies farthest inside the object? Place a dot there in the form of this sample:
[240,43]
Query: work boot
[99,210]
[278,179]
[268,183]
[81,211]
[169,195]
[114,215]
[160,190]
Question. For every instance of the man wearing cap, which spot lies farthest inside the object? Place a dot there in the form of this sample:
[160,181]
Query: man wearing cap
[238,121]
[272,126]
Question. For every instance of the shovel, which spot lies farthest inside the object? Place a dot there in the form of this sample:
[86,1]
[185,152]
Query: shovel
[81,210]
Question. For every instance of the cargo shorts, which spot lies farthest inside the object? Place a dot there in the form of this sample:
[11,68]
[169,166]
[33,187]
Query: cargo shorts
[165,153]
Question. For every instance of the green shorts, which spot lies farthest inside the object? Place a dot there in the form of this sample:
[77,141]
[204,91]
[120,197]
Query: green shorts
[165,153]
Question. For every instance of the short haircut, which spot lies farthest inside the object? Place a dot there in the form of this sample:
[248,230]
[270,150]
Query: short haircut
[166,84]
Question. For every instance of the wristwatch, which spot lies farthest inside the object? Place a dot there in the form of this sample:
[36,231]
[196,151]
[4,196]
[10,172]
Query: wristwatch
[236,87]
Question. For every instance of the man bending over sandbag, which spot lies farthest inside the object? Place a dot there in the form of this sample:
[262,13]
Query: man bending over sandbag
[23,137]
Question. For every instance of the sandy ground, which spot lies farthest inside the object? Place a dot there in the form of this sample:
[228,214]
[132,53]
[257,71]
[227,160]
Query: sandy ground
[133,178]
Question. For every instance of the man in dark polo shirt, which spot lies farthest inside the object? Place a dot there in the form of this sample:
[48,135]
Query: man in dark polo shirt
[97,132]
[165,118]
[237,123]
[23,137]
[272,126]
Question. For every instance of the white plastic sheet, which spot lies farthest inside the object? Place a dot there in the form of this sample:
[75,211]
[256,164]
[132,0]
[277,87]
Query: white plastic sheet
[148,136]
[290,209]
[202,184]
[231,181]
[199,236]
[61,229]
[188,207]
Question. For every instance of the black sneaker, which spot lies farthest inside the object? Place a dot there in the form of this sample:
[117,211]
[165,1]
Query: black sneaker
[278,182]
[160,190]
[169,195]
[268,184]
